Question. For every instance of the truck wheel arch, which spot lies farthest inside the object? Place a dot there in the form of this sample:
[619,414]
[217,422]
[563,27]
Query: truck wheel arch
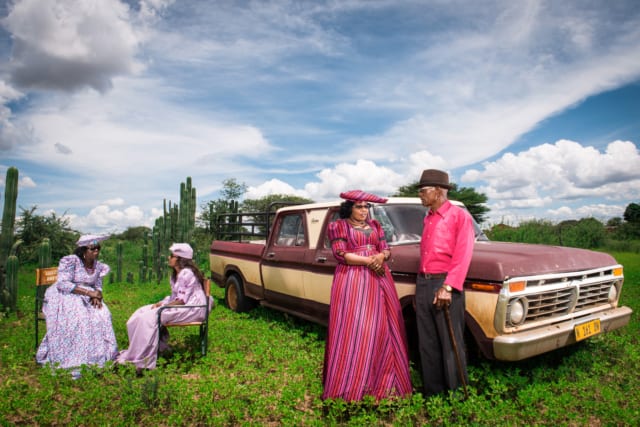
[234,295]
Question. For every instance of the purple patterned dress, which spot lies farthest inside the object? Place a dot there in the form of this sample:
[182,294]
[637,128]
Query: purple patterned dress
[366,349]
[77,332]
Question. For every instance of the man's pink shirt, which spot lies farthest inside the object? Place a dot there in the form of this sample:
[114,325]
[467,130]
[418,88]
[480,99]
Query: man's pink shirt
[447,243]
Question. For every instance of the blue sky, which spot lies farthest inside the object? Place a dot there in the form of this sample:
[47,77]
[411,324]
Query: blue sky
[106,106]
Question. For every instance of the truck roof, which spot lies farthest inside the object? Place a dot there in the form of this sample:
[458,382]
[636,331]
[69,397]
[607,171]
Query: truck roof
[337,202]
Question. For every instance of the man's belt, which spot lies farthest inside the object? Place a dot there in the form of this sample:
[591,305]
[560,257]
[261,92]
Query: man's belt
[431,276]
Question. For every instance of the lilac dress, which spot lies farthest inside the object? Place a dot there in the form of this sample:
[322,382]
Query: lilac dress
[142,326]
[77,332]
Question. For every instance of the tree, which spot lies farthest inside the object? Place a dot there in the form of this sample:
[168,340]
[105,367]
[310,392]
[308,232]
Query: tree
[616,221]
[131,234]
[474,201]
[262,204]
[32,228]
[632,213]
[231,191]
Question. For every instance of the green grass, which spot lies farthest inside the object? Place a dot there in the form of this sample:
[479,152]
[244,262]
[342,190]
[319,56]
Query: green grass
[264,368]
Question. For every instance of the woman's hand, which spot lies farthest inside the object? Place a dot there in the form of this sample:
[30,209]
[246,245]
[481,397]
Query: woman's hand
[95,298]
[376,263]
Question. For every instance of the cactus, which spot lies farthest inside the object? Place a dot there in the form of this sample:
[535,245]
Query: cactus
[175,225]
[119,262]
[7,235]
[187,210]
[12,281]
[44,254]
[144,264]
[141,272]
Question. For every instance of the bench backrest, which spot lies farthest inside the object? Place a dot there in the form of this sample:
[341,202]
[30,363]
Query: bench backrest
[207,287]
[46,276]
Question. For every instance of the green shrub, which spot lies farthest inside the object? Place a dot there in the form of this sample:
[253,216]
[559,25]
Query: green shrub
[585,233]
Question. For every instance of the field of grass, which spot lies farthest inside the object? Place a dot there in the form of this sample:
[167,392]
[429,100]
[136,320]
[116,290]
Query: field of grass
[264,368]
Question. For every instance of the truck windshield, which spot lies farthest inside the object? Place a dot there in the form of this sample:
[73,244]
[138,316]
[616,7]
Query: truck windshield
[402,223]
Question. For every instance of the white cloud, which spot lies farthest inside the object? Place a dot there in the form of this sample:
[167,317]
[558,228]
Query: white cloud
[26,182]
[565,169]
[534,180]
[119,201]
[116,136]
[363,175]
[107,220]
[70,44]
[273,186]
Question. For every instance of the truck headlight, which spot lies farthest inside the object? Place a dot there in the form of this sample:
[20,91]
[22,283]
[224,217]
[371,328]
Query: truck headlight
[517,311]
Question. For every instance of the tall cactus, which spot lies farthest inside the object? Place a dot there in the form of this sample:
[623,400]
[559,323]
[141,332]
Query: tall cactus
[119,262]
[144,263]
[44,253]
[187,210]
[12,281]
[175,225]
[7,235]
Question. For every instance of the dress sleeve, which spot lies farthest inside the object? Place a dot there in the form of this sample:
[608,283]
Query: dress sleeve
[338,238]
[103,270]
[382,240]
[66,274]
[186,285]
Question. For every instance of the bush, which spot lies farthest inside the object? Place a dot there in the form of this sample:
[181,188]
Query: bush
[533,231]
[585,233]
[32,228]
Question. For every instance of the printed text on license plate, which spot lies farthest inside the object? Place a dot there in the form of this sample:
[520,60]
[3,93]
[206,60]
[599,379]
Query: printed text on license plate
[585,330]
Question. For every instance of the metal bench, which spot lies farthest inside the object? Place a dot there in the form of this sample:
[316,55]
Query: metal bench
[203,325]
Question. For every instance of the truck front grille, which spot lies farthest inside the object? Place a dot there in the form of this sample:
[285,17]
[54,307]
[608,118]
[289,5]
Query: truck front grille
[549,304]
[550,299]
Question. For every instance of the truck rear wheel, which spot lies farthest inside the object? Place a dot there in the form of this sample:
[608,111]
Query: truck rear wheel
[234,295]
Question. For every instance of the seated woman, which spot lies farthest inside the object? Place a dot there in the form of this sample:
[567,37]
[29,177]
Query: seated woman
[79,329]
[186,289]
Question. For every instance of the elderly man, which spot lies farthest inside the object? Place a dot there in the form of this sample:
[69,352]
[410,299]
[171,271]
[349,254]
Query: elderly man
[445,254]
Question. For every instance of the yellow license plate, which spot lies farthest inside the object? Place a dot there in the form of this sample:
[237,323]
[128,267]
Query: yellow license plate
[585,330]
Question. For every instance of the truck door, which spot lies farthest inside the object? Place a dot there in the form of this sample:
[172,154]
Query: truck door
[318,284]
[284,260]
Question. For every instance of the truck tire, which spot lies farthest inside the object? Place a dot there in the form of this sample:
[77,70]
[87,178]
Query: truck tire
[234,295]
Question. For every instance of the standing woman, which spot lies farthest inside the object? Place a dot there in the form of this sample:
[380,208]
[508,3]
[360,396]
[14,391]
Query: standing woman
[79,329]
[187,288]
[366,349]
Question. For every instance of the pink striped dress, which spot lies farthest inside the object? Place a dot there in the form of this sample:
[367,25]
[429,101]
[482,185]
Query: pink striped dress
[366,349]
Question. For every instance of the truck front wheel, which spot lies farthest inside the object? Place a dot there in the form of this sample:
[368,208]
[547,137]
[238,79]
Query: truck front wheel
[234,295]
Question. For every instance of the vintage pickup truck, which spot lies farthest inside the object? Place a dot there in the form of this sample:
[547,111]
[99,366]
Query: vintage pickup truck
[521,299]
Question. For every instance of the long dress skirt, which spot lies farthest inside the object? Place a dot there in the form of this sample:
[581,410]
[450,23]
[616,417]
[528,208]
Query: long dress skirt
[366,349]
[77,333]
[142,328]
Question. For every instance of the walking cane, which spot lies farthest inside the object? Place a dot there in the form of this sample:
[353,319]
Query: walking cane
[455,350]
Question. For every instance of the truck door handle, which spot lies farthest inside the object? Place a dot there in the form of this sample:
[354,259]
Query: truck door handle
[271,254]
[321,259]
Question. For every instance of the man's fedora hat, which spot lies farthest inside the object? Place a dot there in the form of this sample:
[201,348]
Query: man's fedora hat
[434,178]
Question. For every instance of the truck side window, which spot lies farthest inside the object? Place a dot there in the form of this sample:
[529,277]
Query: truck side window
[334,216]
[291,231]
